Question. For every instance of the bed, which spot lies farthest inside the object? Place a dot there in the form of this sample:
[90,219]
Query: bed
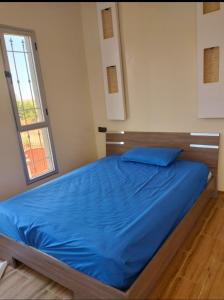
[101,230]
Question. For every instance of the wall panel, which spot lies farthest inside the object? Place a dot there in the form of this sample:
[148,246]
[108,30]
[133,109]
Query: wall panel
[210,59]
[109,35]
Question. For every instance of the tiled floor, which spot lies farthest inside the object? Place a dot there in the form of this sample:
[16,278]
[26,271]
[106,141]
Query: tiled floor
[196,272]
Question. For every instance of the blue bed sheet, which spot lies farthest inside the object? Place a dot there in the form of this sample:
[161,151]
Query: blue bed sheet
[106,219]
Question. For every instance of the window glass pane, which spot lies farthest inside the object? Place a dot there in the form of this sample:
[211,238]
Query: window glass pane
[37,151]
[17,42]
[25,83]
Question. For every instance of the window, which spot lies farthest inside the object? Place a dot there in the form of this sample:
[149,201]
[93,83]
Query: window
[25,85]
[107,23]
[209,7]
[112,79]
[211,64]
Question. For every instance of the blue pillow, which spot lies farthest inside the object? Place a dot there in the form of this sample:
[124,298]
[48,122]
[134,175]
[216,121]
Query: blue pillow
[151,155]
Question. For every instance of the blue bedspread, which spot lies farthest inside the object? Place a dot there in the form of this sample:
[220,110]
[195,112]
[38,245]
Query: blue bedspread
[106,219]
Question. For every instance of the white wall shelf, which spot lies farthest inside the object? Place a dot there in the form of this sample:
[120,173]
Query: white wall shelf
[108,23]
[210,59]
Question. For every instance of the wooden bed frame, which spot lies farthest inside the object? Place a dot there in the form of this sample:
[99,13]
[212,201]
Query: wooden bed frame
[203,147]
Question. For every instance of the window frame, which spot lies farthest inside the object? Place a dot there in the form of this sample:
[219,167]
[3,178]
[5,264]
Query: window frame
[4,29]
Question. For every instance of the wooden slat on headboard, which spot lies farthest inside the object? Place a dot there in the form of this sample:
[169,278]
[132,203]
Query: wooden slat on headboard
[202,147]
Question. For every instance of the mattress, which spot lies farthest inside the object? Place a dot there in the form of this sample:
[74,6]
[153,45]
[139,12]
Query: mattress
[106,219]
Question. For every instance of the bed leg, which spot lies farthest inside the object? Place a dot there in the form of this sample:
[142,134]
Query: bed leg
[215,194]
[83,296]
[89,296]
[80,296]
[12,262]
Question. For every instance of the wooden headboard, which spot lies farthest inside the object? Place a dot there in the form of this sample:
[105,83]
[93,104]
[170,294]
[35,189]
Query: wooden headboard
[202,147]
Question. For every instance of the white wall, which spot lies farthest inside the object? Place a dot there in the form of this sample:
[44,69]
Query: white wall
[159,55]
[61,50]
[159,51]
